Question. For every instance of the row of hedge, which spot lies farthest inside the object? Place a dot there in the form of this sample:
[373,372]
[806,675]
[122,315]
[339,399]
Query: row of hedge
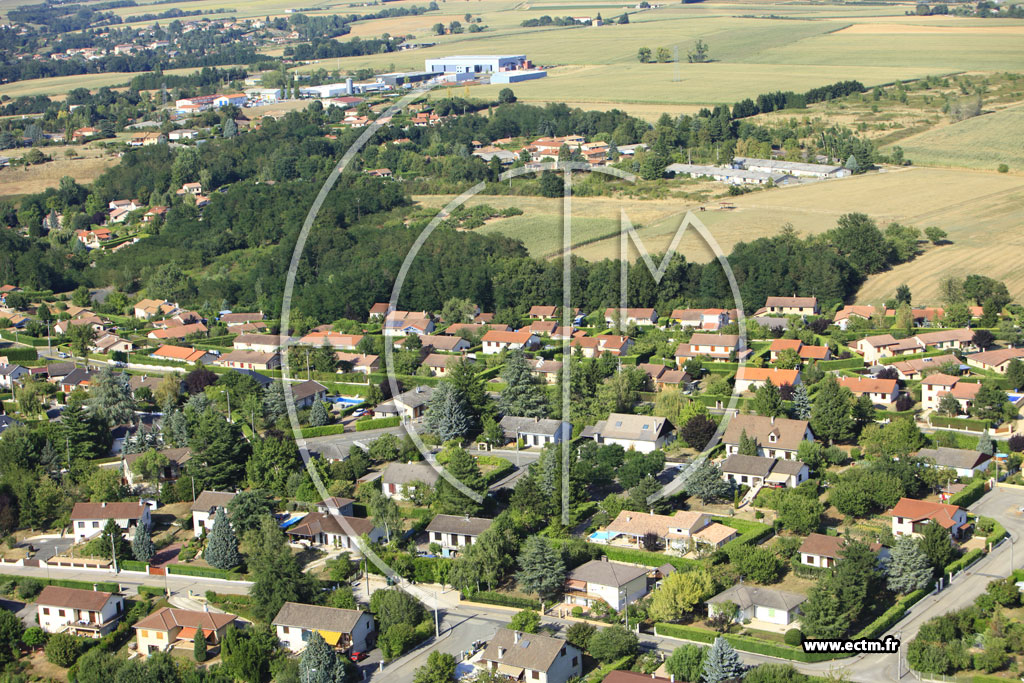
[600,673]
[968,494]
[751,533]
[19,355]
[207,572]
[132,566]
[326,430]
[108,586]
[998,532]
[495,598]
[892,615]
[841,364]
[22,339]
[644,557]
[963,562]
[746,643]
[502,467]
[377,423]
[965,423]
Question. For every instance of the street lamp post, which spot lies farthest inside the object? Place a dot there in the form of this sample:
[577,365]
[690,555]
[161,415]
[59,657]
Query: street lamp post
[625,606]
[437,623]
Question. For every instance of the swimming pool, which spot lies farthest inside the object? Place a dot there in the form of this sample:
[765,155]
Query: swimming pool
[291,520]
[602,536]
[346,400]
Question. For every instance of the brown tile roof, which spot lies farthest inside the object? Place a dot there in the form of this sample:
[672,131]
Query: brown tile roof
[533,651]
[607,573]
[316,617]
[319,522]
[458,524]
[107,510]
[820,544]
[788,433]
[748,464]
[167,618]
[639,523]
[862,385]
[940,380]
[996,356]
[715,533]
[782,344]
[78,598]
[248,356]
[792,301]
[776,376]
[207,500]
[236,318]
[702,339]
[498,337]
[922,509]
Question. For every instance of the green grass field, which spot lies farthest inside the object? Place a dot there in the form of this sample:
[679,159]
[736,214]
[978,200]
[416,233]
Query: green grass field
[982,142]
[982,213]
[60,85]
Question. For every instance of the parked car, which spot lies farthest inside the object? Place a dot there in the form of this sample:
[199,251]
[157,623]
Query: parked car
[357,656]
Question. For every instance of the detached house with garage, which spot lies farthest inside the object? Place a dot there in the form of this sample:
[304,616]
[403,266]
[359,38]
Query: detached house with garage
[204,509]
[791,305]
[644,433]
[344,629]
[333,531]
[753,471]
[615,583]
[934,387]
[964,461]
[678,531]
[997,360]
[630,316]
[535,431]
[820,550]
[531,657]
[454,532]
[780,608]
[177,629]
[79,612]
[88,519]
[752,379]
[880,391]
[711,346]
[777,437]
[398,477]
[495,341]
[909,517]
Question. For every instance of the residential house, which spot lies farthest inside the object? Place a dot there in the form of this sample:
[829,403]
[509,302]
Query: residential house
[363,363]
[454,532]
[335,340]
[147,139]
[441,342]
[400,477]
[711,346]
[78,612]
[547,312]
[937,385]
[183,134]
[614,583]
[404,323]
[663,377]
[535,431]
[153,212]
[439,363]
[345,629]
[531,657]
[204,510]
[169,628]
[791,305]
[754,471]
[996,360]
[183,354]
[762,604]
[547,370]
[179,332]
[264,343]
[176,459]
[965,462]
[77,378]
[318,529]
[11,373]
[707,319]
[305,394]
[820,550]
[408,405]
[235,319]
[880,391]
[96,323]
[917,368]
[592,347]
[335,506]
[111,343]
[875,347]
[752,379]
[194,189]
[88,519]
[946,339]
[909,517]
[147,309]
[777,437]
[496,342]
[630,316]
[250,360]
[644,433]
[677,531]
[806,352]
[844,315]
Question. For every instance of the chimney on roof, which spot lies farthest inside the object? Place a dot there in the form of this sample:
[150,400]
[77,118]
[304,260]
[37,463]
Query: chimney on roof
[773,419]
[516,635]
[103,505]
[501,652]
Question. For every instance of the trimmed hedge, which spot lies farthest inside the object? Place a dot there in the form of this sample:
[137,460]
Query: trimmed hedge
[965,423]
[998,532]
[133,566]
[751,533]
[495,598]
[208,572]
[645,557]
[600,673]
[326,430]
[841,364]
[19,355]
[490,373]
[108,586]
[22,338]
[377,423]
[501,470]
[965,561]
[892,615]
[747,643]
[969,494]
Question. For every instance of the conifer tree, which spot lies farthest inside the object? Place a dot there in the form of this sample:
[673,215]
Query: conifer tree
[222,546]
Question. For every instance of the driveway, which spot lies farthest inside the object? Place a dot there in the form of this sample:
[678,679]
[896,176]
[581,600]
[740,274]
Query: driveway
[48,546]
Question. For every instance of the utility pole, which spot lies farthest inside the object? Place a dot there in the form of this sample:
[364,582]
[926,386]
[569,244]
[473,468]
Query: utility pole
[437,623]
[113,551]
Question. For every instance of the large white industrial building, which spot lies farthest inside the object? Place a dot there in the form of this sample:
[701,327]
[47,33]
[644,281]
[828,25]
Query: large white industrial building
[476,64]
